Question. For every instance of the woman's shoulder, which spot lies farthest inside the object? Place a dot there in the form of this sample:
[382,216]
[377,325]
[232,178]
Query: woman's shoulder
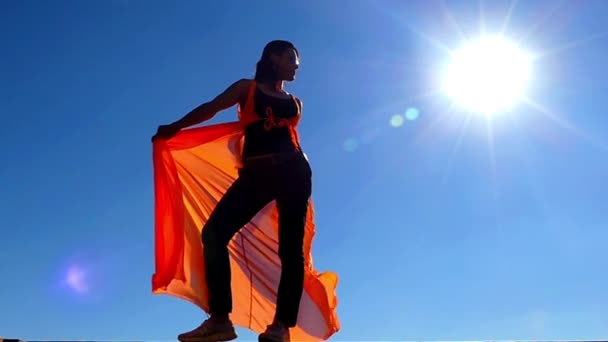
[245,83]
[244,86]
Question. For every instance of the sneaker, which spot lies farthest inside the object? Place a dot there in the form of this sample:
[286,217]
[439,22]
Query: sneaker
[276,332]
[210,331]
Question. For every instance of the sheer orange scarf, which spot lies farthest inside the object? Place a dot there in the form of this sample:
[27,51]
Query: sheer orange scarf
[192,171]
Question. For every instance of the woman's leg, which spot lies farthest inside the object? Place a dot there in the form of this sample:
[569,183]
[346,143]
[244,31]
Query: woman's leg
[243,200]
[292,205]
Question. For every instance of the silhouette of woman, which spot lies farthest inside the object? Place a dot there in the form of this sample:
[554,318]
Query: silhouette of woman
[274,168]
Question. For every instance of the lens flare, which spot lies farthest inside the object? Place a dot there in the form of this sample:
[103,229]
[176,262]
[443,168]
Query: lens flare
[411,114]
[397,120]
[75,278]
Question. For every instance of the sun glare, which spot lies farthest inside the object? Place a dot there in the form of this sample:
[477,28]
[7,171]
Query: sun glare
[487,76]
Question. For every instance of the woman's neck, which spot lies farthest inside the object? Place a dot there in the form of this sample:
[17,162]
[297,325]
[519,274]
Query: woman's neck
[276,86]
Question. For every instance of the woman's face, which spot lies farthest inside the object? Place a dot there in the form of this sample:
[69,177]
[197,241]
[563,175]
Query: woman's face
[287,64]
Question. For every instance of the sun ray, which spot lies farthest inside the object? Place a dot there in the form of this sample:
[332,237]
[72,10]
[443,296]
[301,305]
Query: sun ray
[456,147]
[492,155]
[433,41]
[482,18]
[438,119]
[531,168]
[507,20]
[401,66]
[547,15]
[446,11]
[405,23]
[571,45]
[565,124]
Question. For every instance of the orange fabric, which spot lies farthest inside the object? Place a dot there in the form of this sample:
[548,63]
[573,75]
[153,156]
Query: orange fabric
[192,171]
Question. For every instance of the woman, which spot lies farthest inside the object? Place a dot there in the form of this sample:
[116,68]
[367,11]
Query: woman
[274,168]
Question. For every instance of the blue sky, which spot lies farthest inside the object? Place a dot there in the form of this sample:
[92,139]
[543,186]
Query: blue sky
[438,231]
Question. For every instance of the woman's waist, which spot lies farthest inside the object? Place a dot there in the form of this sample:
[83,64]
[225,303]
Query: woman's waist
[286,161]
[268,142]
[275,156]
[261,128]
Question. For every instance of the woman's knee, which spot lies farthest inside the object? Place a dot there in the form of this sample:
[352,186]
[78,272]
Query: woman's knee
[293,257]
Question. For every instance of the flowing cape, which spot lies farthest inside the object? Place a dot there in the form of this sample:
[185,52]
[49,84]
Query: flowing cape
[192,171]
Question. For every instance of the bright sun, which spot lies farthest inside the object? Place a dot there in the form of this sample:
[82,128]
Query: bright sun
[487,76]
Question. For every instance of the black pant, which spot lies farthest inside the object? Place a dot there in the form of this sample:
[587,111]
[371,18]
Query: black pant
[288,181]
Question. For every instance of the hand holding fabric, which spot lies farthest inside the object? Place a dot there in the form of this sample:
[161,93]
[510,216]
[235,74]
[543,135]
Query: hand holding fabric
[166,131]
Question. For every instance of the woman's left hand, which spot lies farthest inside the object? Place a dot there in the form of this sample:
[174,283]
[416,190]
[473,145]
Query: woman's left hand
[166,132]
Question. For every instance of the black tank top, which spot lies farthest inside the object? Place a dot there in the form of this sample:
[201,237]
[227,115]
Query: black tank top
[258,139]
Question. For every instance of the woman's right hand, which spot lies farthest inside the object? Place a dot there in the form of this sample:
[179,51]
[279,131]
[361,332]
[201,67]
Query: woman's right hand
[166,131]
[206,111]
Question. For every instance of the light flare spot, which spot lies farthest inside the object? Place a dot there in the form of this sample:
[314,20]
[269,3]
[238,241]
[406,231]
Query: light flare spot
[411,114]
[75,278]
[397,120]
